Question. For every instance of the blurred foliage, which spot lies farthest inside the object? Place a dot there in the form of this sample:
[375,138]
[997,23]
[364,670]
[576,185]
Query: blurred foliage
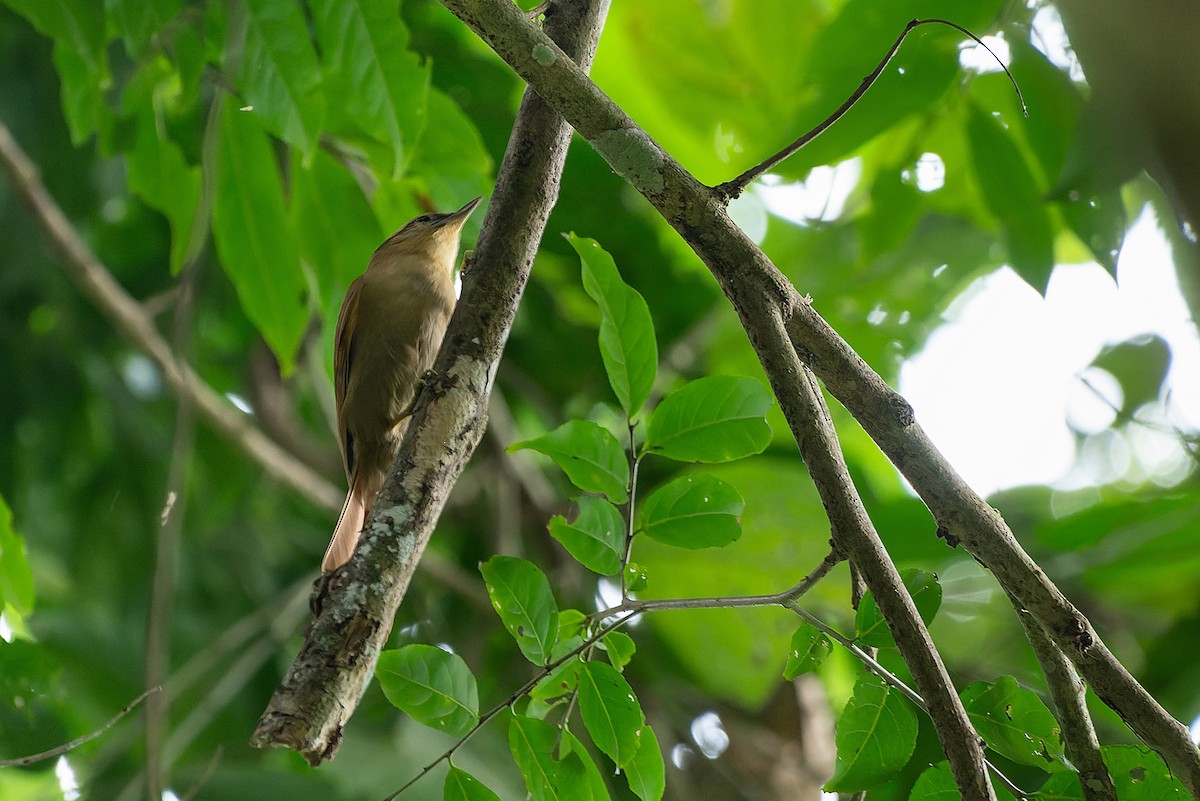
[234,164]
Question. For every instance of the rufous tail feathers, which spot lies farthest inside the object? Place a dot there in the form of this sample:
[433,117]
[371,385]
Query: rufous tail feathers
[345,536]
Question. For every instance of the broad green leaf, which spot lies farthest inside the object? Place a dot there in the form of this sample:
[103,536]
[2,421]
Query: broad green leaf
[694,511]
[380,84]
[808,651]
[532,743]
[433,687]
[1014,722]
[77,28]
[272,61]
[1062,786]
[139,20]
[334,223]
[571,624]
[869,625]
[610,711]
[522,597]
[627,342]
[1140,365]
[712,419]
[450,159]
[620,647]
[876,734]
[589,455]
[1014,196]
[16,579]
[255,244]
[1140,774]
[578,776]
[462,786]
[646,772]
[157,172]
[596,538]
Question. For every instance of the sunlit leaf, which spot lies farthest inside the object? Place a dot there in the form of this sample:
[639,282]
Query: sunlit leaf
[596,538]
[610,711]
[522,597]
[589,455]
[433,687]
[876,734]
[869,626]
[627,342]
[1014,722]
[693,511]
[462,786]
[711,419]
[808,651]
[646,772]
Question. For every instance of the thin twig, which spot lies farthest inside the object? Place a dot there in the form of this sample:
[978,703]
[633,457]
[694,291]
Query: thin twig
[78,741]
[731,189]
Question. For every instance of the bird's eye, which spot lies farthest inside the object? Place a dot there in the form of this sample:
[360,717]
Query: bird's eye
[424,218]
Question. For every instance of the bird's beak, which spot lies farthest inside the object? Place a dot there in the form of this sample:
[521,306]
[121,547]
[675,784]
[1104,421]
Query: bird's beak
[460,216]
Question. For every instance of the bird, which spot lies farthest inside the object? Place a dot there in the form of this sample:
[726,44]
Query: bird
[388,333]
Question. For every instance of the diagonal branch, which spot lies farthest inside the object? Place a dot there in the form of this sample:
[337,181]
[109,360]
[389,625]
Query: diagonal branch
[761,295]
[356,604]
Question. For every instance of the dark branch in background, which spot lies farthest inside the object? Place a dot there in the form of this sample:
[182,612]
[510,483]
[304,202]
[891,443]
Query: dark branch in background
[355,607]
[731,189]
[1068,694]
[78,741]
[762,295]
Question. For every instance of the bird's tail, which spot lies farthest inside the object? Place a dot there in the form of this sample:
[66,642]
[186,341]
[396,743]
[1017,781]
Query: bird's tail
[345,536]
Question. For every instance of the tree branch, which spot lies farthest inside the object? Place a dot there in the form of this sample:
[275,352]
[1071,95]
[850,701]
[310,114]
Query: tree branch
[761,294]
[355,607]
[1069,696]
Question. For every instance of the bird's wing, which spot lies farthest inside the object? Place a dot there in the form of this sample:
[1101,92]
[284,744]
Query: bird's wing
[343,356]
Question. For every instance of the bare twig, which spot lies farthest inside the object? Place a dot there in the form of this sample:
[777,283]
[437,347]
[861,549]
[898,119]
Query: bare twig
[731,189]
[78,741]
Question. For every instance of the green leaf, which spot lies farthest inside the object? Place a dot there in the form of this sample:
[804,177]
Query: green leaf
[937,784]
[1014,722]
[16,579]
[451,159]
[1140,365]
[597,536]
[532,743]
[578,776]
[809,649]
[334,223]
[646,772]
[1013,195]
[620,647]
[433,687]
[558,682]
[869,625]
[462,786]
[381,85]
[589,455]
[1140,774]
[77,28]
[694,511]
[712,419]
[876,734]
[157,172]
[627,343]
[253,240]
[271,59]
[522,597]
[610,712]
[139,20]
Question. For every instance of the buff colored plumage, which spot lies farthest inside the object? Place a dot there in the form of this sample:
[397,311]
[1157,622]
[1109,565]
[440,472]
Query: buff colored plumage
[388,333]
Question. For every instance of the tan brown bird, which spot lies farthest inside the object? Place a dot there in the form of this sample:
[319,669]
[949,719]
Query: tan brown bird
[388,333]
